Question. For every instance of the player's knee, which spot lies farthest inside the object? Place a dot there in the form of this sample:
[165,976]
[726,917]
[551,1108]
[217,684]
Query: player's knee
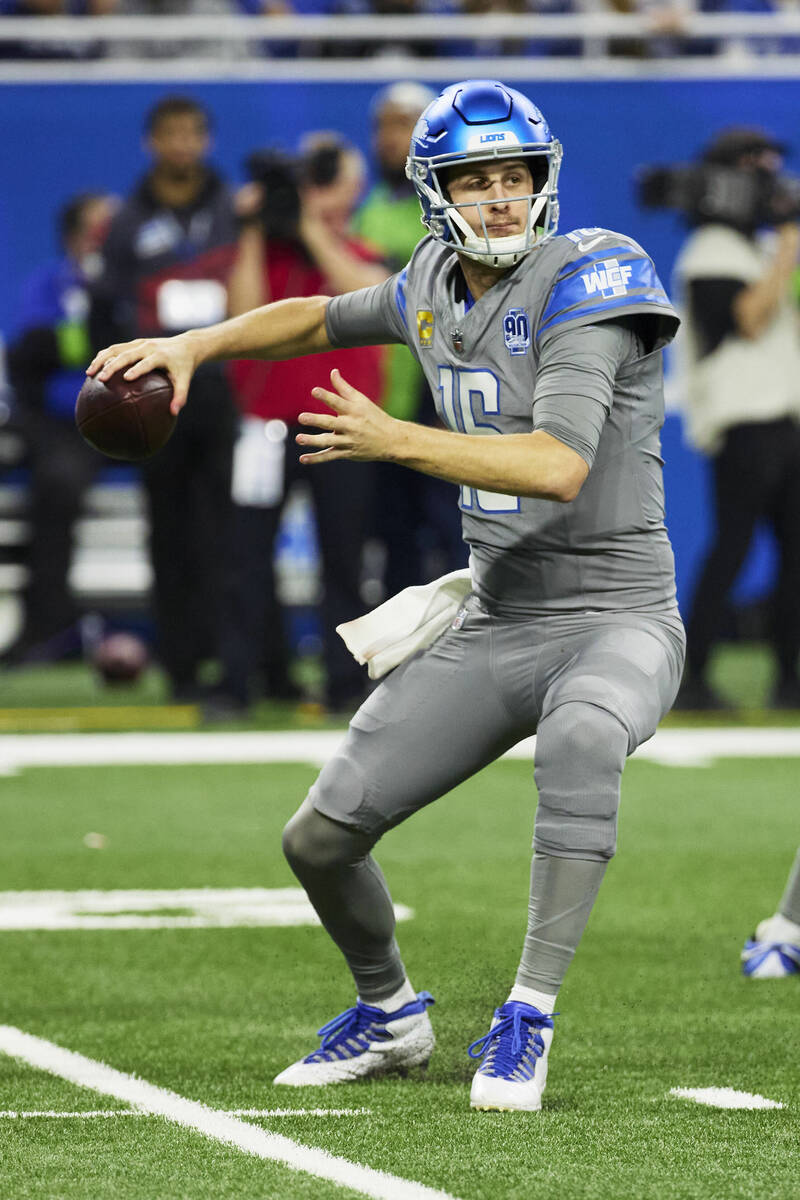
[312,841]
[580,754]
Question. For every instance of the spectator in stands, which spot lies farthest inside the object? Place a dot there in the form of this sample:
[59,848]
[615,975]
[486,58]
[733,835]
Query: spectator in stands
[54,8]
[743,359]
[493,46]
[58,8]
[47,359]
[415,517]
[393,47]
[295,245]
[271,8]
[166,264]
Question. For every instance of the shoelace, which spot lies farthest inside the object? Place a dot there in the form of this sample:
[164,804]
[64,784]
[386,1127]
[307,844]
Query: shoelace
[363,1017]
[505,1051]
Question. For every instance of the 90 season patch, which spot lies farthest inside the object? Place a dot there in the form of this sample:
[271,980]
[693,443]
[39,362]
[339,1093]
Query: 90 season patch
[516,331]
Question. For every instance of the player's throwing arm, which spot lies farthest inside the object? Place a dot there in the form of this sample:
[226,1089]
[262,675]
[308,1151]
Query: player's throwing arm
[286,329]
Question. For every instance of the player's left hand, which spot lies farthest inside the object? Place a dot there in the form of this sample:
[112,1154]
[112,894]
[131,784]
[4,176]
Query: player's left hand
[356,429]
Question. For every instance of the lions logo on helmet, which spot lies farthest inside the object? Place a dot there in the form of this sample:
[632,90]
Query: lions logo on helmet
[477,120]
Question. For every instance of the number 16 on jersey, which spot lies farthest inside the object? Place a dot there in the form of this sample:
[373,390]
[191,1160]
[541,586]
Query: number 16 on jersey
[467,395]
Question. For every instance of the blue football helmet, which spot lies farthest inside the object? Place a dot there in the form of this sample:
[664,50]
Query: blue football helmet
[476,120]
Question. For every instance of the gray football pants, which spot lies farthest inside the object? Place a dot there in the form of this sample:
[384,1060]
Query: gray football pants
[592,685]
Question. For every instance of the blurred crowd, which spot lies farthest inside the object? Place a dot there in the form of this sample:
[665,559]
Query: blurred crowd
[666,23]
[185,250]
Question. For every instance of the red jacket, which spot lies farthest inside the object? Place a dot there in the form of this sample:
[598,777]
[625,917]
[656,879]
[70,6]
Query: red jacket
[282,390]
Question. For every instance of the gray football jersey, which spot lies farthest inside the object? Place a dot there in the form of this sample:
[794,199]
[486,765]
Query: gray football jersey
[608,549]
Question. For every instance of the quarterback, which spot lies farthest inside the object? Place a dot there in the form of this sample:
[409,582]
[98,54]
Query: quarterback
[544,355]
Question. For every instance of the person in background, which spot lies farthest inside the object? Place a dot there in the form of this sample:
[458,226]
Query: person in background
[295,241]
[165,268]
[743,376]
[55,8]
[47,359]
[415,516]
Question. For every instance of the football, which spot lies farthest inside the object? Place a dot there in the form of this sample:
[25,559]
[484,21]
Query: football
[126,418]
[120,658]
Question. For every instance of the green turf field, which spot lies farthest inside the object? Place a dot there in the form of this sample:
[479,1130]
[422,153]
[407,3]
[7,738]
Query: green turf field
[654,1000]
[70,697]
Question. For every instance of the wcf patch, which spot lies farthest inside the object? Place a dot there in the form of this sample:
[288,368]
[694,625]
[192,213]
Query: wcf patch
[609,278]
[425,326]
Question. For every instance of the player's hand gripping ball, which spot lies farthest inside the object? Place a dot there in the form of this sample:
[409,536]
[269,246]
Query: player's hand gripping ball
[126,418]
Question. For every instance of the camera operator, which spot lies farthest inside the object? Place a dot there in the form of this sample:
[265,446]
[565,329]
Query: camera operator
[741,338]
[294,241]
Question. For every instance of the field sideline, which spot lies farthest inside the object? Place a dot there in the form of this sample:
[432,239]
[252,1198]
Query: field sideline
[206,1016]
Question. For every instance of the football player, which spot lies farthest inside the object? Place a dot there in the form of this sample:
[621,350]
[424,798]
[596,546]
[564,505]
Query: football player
[773,952]
[544,354]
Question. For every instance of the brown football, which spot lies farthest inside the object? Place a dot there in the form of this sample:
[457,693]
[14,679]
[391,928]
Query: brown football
[120,658]
[126,418]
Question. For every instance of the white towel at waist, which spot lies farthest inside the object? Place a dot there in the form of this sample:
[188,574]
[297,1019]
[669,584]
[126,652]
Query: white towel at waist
[405,623]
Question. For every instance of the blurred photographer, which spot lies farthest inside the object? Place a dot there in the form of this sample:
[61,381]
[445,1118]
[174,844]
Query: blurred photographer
[47,357]
[415,517]
[743,375]
[294,241]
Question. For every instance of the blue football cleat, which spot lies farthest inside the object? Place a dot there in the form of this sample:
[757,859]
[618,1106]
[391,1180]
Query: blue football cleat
[773,952]
[363,1042]
[513,1071]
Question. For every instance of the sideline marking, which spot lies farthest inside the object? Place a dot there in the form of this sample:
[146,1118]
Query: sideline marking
[228,1112]
[197,908]
[725,1097]
[668,747]
[211,1123]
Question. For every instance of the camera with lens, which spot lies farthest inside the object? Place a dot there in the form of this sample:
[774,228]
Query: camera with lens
[747,199]
[735,182]
[283,176]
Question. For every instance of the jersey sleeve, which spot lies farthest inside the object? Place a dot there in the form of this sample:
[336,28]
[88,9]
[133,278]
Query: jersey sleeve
[575,382]
[373,316]
[607,275]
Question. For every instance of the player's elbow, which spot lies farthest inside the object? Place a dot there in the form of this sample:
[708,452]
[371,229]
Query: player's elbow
[569,491]
[560,471]
[567,481]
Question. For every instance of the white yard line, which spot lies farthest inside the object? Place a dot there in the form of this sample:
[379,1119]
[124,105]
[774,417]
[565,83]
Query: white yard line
[211,1123]
[725,1097]
[669,747]
[202,908]
[83,1114]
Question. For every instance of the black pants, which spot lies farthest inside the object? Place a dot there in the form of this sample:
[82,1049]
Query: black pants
[756,477]
[188,489]
[62,468]
[254,638]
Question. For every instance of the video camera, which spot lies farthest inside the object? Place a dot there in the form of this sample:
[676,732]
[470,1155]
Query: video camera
[745,198]
[282,176]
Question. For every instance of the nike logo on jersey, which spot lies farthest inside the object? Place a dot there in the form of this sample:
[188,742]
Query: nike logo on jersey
[593,242]
[592,233]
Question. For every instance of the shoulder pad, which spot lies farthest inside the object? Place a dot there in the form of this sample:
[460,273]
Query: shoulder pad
[605,274]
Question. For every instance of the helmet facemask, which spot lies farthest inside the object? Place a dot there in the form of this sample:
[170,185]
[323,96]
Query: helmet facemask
[446,224]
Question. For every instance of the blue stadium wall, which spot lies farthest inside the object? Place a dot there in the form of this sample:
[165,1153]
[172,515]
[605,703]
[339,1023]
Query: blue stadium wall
[58,139]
